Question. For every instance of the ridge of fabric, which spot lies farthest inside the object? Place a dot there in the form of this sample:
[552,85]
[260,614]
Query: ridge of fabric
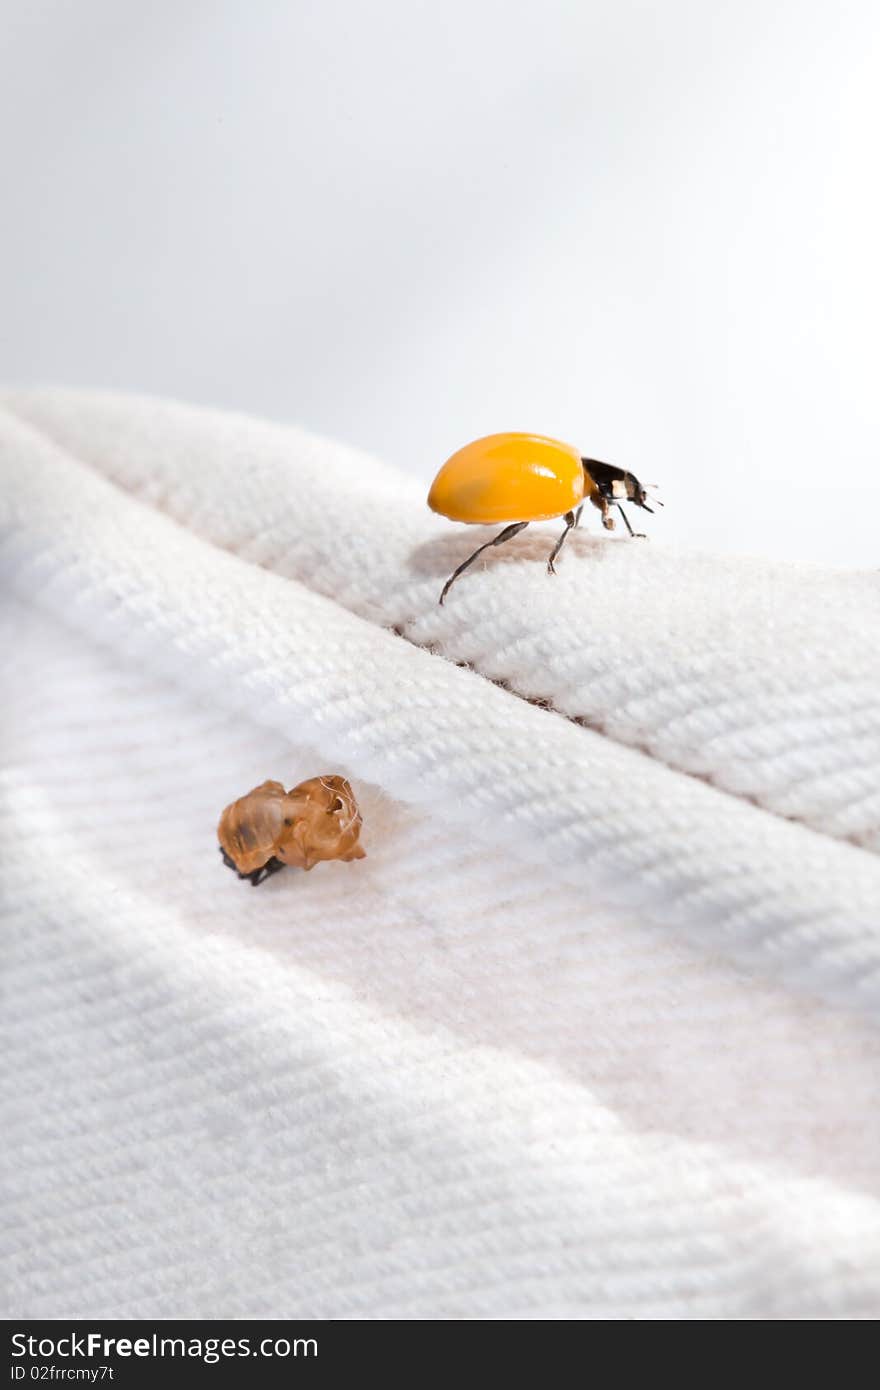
[757,677]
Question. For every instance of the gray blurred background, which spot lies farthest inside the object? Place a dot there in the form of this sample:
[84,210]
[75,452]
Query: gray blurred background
[651,229]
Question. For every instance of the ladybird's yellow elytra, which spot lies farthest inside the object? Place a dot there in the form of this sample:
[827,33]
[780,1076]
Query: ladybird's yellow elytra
[510,477]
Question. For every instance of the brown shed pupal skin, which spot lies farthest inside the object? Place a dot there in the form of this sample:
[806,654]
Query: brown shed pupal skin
[318,819]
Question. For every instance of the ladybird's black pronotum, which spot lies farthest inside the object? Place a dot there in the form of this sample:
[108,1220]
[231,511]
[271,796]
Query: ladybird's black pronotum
[318,819]
[518,478]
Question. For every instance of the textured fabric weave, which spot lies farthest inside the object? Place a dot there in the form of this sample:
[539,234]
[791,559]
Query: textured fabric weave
[591,1032]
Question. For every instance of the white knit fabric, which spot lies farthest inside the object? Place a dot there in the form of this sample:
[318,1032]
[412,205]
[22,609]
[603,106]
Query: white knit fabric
[592,1030]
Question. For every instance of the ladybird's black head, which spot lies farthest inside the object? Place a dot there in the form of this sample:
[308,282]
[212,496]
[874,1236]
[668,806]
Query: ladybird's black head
[615,484]
[636,493]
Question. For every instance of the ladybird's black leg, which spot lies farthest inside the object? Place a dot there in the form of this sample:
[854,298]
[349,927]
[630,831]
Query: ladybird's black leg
[636,535]
[569,523]
[507,534]
[577,515]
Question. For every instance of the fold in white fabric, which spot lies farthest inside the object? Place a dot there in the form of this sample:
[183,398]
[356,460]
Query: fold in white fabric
[591,1032]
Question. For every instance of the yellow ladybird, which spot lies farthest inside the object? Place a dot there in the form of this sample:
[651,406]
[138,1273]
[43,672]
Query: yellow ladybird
[518,478]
